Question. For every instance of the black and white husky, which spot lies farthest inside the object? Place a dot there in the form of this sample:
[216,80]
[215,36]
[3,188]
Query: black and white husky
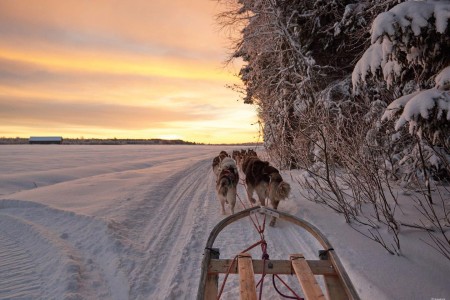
[227,181]
[266,180]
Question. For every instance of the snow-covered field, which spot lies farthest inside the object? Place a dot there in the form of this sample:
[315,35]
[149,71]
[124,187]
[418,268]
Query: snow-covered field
[131,222]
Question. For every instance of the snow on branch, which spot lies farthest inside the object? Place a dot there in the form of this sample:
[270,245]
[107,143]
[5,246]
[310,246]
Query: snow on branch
[398,39]
[443,80]
[428,104]
[397,106]
[412,15]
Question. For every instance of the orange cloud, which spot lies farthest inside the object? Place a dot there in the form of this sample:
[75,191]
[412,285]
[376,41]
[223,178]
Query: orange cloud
[169,24]
[115,64]
[127,69]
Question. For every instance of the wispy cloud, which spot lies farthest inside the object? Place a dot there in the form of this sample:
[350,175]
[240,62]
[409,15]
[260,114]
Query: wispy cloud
[52,113]
[136,67]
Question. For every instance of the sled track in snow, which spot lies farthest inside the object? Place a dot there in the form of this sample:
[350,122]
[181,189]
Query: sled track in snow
[18,276]
[178,227]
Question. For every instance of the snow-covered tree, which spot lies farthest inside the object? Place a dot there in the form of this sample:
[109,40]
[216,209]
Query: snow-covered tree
[296,54]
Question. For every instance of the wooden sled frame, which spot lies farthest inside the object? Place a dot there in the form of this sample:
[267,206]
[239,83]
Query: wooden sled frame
[337,282]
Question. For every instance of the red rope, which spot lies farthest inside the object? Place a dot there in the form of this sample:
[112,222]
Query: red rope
[231,266]
[256,224]
[265,256]
[226,277]
[253,246]
[287,286]
[242,202]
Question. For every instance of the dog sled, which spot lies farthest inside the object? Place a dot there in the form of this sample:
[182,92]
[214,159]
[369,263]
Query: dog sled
[337,282]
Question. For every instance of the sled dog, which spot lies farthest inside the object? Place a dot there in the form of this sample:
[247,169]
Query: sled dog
[266,180]
[217,161]
[226,185]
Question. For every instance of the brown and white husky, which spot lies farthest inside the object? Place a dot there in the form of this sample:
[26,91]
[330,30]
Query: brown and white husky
[266,180]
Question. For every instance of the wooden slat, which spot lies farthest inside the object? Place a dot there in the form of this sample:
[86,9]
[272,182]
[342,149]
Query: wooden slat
[311,288]
[212,280]
[247,284]
[334,287]
[281,267]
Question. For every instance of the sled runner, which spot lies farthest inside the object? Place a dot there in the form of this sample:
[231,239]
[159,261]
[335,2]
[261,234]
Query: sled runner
[337,282]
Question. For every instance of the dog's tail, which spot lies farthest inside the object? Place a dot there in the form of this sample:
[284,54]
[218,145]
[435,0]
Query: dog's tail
[224,185]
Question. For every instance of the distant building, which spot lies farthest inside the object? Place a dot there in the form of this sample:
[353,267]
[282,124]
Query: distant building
[45,140]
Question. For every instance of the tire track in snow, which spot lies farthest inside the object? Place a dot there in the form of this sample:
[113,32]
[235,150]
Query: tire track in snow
[153,202]
[18,276]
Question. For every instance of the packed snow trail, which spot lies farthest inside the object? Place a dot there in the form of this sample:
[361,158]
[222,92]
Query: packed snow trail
[131,222]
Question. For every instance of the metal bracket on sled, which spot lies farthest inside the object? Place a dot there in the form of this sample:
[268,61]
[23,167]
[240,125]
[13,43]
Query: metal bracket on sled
[265,211]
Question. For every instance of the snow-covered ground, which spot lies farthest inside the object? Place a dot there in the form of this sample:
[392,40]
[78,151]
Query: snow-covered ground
[131,222]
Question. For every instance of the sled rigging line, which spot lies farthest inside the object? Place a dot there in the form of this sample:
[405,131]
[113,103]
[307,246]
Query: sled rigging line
[260,229]
[297,297]
[265,256]
[337,282]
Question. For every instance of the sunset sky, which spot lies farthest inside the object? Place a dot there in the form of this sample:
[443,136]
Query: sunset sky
[124,69]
